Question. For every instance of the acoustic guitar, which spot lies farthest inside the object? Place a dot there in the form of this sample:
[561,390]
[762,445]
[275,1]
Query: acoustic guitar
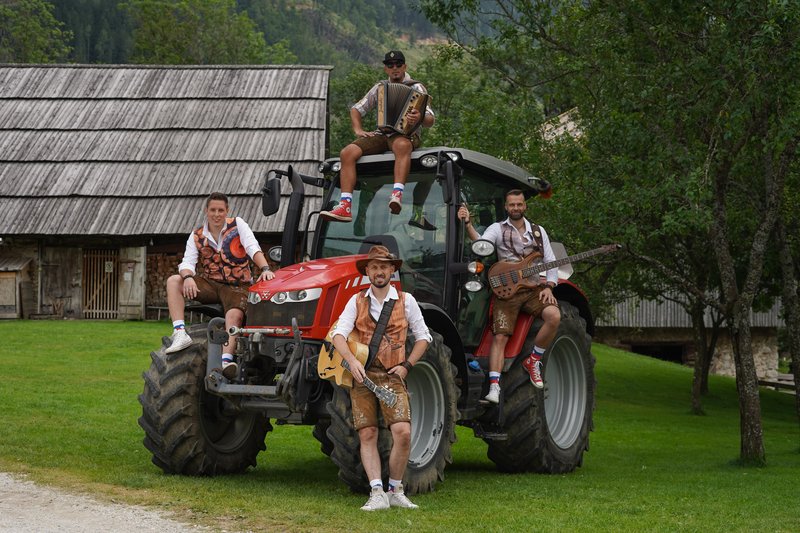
[507,277]
[331,366]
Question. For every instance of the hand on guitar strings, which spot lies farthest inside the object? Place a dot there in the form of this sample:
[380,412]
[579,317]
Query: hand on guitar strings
[357,369]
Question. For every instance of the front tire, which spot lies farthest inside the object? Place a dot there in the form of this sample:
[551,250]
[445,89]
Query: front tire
[188,430]
[548,430]
[433,397]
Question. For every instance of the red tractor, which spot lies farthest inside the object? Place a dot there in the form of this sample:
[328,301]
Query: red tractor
[197,422]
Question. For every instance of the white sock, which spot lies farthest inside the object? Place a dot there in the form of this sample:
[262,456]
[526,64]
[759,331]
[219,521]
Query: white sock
[347,196]
[394,483]
[178,324]
[376,483]
[399,186]
[227,358]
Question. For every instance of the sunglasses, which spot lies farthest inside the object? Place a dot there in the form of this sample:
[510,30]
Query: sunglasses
[394,64]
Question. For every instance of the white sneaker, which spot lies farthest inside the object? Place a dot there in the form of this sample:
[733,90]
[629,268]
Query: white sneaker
[494,393]
[229,369]
[377,500]
[397,498]
[180,340]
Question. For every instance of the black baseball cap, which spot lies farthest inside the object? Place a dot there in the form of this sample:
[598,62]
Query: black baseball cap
[394,55]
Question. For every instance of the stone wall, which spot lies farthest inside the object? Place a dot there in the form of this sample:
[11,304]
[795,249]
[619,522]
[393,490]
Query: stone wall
[765,346]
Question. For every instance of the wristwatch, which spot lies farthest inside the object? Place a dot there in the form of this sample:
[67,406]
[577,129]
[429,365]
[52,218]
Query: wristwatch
[265,268]
[407,365]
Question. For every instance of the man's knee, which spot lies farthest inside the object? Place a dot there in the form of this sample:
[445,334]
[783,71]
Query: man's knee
[500,340]
[402,147]
[350,153]
[552,315]
[175,282]
[401,433]
[368,434]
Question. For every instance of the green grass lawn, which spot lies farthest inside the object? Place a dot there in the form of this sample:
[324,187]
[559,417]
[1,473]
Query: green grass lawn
[69,397]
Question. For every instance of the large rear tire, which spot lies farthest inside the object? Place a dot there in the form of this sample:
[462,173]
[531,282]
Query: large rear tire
[188,430]
[433,397]
[548,430]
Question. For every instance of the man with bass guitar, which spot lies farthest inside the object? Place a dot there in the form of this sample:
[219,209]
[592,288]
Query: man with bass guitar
[382,307]
[516,238]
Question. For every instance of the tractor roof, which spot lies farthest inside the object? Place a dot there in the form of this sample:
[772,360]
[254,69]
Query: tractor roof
[468,159]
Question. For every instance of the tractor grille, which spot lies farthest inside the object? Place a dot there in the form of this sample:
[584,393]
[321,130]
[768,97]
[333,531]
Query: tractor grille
[272,314]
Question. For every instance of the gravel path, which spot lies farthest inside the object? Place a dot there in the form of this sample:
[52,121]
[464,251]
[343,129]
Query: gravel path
[26,507]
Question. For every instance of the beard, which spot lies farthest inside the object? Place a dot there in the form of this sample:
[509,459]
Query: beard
[380,282]
[516,216]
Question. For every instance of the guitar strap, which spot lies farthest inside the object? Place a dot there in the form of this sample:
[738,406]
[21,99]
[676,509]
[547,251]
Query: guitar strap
[383,320]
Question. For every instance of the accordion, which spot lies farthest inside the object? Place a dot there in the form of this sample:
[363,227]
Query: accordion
[395,100]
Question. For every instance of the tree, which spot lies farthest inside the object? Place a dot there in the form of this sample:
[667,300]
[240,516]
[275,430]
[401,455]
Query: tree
[689,113]
[30,34]
[199,32]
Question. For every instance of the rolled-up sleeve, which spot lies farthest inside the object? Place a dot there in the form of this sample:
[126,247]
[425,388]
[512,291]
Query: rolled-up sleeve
[247,238]
[549,256]
[415,320]
[347,320]
[369,101]
[190,256]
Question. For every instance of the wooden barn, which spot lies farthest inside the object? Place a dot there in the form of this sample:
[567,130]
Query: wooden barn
[104,170]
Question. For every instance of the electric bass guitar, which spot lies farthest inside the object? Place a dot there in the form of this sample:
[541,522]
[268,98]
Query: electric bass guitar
[507,277]
[331,366]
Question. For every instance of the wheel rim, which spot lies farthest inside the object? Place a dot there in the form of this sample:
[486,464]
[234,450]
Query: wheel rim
[565,392]
[426,398]
[226,433]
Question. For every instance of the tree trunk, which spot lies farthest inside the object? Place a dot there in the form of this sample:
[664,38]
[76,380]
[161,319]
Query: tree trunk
[701,357]
[791,307]
[752,436]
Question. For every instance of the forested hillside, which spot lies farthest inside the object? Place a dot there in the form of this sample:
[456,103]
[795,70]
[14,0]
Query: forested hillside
[333,32]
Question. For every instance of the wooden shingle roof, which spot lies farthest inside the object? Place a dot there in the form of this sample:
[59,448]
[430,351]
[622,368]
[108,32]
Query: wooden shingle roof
[133,150]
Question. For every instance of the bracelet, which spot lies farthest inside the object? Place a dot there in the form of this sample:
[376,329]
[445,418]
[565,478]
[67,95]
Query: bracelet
[407,365]
[187,276]
[265,268]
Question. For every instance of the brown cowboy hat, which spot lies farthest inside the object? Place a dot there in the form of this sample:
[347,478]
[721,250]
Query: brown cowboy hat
[378,253]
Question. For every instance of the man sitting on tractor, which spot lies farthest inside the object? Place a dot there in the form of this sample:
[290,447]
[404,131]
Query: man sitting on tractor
[224,246]
[516,238]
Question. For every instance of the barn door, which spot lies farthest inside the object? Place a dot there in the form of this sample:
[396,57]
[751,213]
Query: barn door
[100,283]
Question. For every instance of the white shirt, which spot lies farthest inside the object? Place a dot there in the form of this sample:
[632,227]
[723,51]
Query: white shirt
[494,233]
[347,320]
[192,254]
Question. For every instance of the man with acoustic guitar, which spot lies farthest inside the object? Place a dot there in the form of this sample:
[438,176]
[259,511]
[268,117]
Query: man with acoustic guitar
[516,238]
[382,306]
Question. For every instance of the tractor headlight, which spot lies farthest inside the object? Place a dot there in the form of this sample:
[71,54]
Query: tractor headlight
[482,248]
[428,161]
[253,297]
[303,295]
[473,285]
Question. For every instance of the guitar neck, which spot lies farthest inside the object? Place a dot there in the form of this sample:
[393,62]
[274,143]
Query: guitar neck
[536,269]
[368,383]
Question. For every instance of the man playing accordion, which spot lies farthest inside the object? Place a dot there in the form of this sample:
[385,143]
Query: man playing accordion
[383,139]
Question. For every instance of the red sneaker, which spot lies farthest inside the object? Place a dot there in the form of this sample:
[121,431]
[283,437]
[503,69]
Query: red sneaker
[534,368]
[343,212]
[395,202]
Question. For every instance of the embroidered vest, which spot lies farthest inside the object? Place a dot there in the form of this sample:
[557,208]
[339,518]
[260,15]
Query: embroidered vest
[392,350]
[228,265]
[512,241]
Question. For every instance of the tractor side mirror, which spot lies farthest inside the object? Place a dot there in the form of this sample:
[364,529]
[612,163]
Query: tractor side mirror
[271,195]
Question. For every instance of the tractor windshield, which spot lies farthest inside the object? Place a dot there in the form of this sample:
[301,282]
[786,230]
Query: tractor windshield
[417,235]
